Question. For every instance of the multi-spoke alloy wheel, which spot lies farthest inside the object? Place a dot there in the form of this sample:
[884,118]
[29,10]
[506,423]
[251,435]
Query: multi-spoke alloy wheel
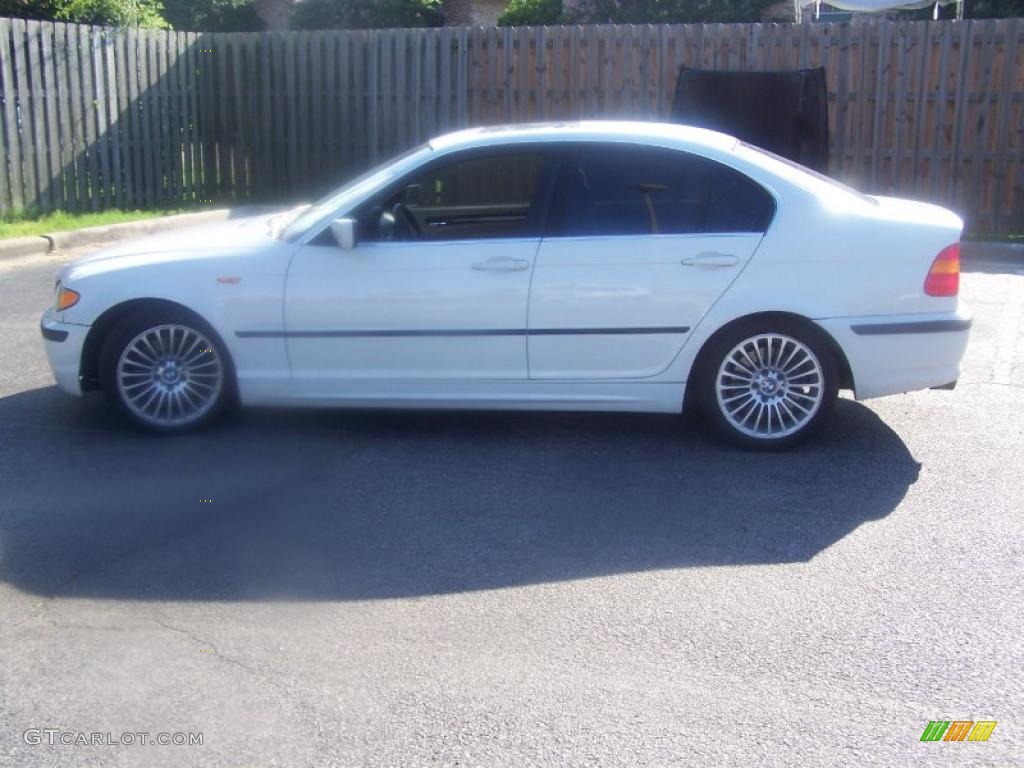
[168,376]
[770,385]
[767,386]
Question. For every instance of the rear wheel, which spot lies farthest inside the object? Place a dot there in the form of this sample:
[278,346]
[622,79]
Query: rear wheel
[164,371]
[768,386]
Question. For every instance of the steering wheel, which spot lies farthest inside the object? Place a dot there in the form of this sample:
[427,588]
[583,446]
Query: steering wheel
[403,214]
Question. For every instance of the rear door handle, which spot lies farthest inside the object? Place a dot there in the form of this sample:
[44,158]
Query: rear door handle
[711,259]
[502,264]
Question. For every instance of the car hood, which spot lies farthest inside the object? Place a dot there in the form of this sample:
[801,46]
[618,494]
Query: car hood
[233,238]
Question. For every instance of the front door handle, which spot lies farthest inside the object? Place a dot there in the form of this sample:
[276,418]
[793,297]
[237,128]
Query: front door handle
[502,264]
[711,259]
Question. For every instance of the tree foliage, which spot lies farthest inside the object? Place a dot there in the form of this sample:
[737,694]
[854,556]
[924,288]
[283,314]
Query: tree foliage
[113,13]
[994,9]
[366,14]
[531,12]
[213,15]
[669,11]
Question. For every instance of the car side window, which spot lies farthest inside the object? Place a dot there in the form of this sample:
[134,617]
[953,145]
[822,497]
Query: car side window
[632,190]
[475,198]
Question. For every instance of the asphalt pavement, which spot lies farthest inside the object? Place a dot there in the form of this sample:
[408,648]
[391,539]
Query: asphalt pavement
[407,589]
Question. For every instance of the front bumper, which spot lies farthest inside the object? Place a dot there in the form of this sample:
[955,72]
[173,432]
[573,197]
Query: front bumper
[63,343]
[902,353]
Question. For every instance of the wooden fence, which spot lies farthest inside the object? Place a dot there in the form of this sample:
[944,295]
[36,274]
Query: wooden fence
[94,117]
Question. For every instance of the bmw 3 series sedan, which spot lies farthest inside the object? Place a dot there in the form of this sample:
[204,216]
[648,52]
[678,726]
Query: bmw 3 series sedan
[600,266]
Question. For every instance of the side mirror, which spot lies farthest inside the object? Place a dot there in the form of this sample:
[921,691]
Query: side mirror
[344,231]
[386,226]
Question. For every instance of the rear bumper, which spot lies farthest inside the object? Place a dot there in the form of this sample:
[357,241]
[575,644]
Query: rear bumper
[901,353]
[63,343]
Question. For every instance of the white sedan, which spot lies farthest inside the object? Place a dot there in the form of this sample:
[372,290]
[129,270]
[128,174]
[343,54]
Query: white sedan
[605,266]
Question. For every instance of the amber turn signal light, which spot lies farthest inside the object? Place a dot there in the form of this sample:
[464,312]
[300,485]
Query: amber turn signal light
[66,298]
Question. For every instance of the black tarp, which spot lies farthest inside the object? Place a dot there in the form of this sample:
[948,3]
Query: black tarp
[783,112]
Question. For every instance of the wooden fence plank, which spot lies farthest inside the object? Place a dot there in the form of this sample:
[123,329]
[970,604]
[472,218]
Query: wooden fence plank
[89,177]
[386,95]
[1011,47]
[164,149]
[960,109]
[268,150]
[224,143]
[371,49]
[171,85]
[104,142]
[54,170]
[880,104]
[539,66]
[36,130]
[13,169]
[980,126]
[461,78]
[79,112]
[445,61]
[132,120]
[182,66]
[332,104]
[899,108]
[924,42]
[5,95]
[940,134]
[300,87]
[842,103]
[240,113]
[148,88]
[113,88]
[121,111]
[192,64]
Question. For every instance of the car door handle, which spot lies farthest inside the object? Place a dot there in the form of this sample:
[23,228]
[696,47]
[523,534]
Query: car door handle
[711,259]
[501,264]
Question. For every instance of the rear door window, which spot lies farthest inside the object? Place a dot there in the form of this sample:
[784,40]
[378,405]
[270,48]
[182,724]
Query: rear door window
[632,190]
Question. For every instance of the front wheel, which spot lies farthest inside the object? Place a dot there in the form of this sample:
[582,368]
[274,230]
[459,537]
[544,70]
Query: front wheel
[164,372]
[768,387]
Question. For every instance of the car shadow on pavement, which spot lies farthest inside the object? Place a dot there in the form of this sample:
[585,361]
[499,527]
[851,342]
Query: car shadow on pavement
[335,505]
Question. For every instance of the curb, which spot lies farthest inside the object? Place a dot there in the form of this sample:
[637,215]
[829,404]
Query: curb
[56,241]
[23,246]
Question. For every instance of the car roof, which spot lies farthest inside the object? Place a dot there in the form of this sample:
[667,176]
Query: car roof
[585,130]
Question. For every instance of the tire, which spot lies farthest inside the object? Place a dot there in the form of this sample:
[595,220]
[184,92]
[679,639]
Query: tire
[165,371]
[768,385]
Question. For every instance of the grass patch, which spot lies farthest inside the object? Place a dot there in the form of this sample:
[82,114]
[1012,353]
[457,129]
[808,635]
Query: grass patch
[981,236]
[26,225]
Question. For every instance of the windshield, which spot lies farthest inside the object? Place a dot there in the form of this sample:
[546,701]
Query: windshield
[305,217]
[819,178]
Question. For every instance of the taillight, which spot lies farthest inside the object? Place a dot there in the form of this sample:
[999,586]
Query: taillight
[944,276]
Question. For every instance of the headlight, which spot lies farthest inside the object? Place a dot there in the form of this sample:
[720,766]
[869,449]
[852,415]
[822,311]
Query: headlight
[66,298]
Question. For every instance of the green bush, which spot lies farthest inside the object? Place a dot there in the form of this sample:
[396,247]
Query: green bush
[668,11]
[366,14]
[114,13]
[213,15]
[520,13]
[110,13]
